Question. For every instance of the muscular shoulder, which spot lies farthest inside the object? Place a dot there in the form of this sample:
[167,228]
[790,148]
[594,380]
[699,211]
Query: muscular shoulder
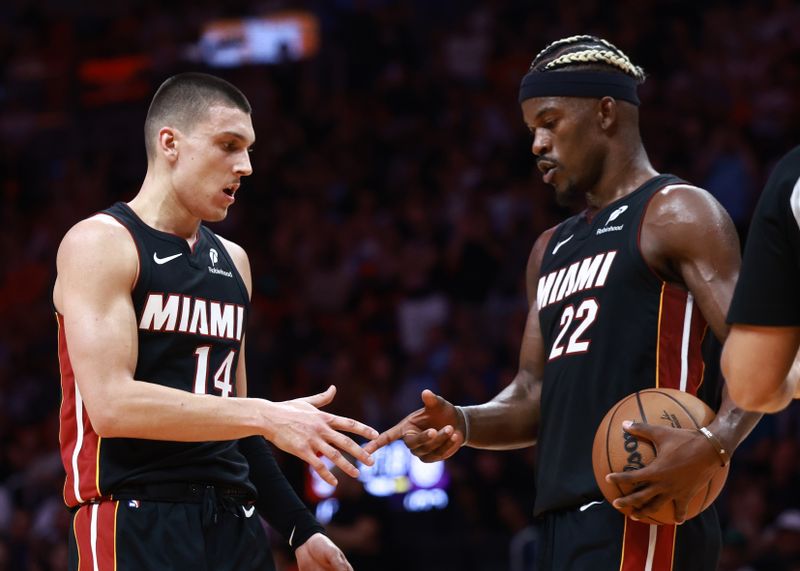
[682,220]
[240,259]
[96,249]
[683,204]
[100,238]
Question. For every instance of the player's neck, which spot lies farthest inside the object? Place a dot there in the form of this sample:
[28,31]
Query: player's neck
[157,205]
[623,175]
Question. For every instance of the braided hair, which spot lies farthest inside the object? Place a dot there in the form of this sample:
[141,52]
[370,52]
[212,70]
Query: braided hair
[586,53]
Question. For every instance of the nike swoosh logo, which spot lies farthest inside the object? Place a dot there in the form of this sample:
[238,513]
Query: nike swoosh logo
[561,243]
[160,261]
[291,537]
[248,512]
[585,507]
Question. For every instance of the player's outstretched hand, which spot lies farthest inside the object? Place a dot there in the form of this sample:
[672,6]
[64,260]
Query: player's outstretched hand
[433,432]
[319,553]
[684,464]
[300,428]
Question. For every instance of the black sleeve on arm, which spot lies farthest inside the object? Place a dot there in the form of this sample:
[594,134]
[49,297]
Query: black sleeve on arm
[277,501]
[766,291]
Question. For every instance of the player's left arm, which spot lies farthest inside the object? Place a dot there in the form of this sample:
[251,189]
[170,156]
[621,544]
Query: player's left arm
[701,246]
[278,502]
[690,241]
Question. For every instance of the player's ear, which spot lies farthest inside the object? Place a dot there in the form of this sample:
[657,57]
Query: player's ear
[607,110]
[168,138]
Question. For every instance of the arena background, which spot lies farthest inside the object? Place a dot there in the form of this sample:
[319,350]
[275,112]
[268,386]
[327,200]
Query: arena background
[389,219]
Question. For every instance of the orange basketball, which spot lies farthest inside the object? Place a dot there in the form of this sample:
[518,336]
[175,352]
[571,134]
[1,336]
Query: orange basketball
[615,450]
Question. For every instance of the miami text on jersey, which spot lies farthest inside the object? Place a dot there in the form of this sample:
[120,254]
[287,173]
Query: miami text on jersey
[585,274]
[191,315]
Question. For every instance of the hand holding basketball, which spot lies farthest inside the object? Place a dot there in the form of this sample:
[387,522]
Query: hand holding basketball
[659,469]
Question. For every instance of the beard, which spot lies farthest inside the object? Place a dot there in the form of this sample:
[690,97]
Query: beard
[569,196]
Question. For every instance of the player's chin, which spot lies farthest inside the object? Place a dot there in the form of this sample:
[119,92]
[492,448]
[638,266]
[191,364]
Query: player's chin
[217,214]
[567,195]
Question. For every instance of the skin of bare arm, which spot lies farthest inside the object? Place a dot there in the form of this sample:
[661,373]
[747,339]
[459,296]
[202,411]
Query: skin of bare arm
[97,267]
[688,240]
[761,366]
[510,420]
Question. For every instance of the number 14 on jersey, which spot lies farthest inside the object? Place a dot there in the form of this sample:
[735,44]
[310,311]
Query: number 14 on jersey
[222,378]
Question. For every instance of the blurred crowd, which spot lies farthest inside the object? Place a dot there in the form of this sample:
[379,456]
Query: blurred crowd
[389,220]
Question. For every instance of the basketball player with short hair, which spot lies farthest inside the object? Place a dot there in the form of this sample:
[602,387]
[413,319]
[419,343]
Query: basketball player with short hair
[165,455]
[621,296]
[760,355]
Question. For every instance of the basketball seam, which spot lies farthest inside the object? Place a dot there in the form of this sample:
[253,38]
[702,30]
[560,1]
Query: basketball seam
[691,416]
[680,404]
[655,453]
[641,408]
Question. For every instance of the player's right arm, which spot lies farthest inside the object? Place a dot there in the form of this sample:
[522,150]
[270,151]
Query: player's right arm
[509,420]
[97,266]
[762,366]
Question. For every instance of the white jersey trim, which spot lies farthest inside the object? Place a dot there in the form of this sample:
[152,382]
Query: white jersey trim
[78,444]
[687,331]
[651,548]
[794,202]
[93,532]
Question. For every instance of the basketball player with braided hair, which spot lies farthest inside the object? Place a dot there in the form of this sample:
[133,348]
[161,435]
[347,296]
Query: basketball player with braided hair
[621,296]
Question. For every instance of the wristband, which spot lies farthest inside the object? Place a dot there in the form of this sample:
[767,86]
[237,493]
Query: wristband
[724,455]
[277,502]
[464,416]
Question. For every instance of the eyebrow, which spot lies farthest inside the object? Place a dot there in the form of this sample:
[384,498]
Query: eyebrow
[544,110]
[236,135]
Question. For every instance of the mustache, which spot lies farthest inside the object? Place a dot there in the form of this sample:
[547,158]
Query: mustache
[545,159]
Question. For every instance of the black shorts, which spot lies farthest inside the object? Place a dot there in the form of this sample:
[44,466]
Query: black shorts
[214,534]
[599,538]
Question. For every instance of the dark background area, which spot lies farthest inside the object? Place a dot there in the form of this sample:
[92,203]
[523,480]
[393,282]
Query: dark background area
[389,219]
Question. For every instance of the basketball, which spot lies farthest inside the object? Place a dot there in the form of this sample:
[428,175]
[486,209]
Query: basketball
[615,450]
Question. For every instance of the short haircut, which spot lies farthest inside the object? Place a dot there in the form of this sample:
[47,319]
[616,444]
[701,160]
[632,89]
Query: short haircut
[586,53]
[184,99]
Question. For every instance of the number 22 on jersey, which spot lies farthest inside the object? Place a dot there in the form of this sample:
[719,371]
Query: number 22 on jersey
[583,316]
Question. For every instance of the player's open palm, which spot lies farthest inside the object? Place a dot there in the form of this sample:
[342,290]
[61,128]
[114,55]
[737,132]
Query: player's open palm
[432,432]
[300,428]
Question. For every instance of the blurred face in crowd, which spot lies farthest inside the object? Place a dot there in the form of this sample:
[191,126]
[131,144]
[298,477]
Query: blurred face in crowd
[208,160]
[566,142]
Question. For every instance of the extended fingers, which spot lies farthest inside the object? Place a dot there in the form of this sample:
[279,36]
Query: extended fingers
[385,438]
[321,399]
[346,444]
[321,468]
[338,459]
[352,426]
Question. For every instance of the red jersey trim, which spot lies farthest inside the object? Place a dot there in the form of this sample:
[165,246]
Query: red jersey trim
[79,443]
[647,547]
[681,330]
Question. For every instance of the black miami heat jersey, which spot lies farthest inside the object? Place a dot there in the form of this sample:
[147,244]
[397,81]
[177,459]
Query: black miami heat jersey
[191,311]
[610,327]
